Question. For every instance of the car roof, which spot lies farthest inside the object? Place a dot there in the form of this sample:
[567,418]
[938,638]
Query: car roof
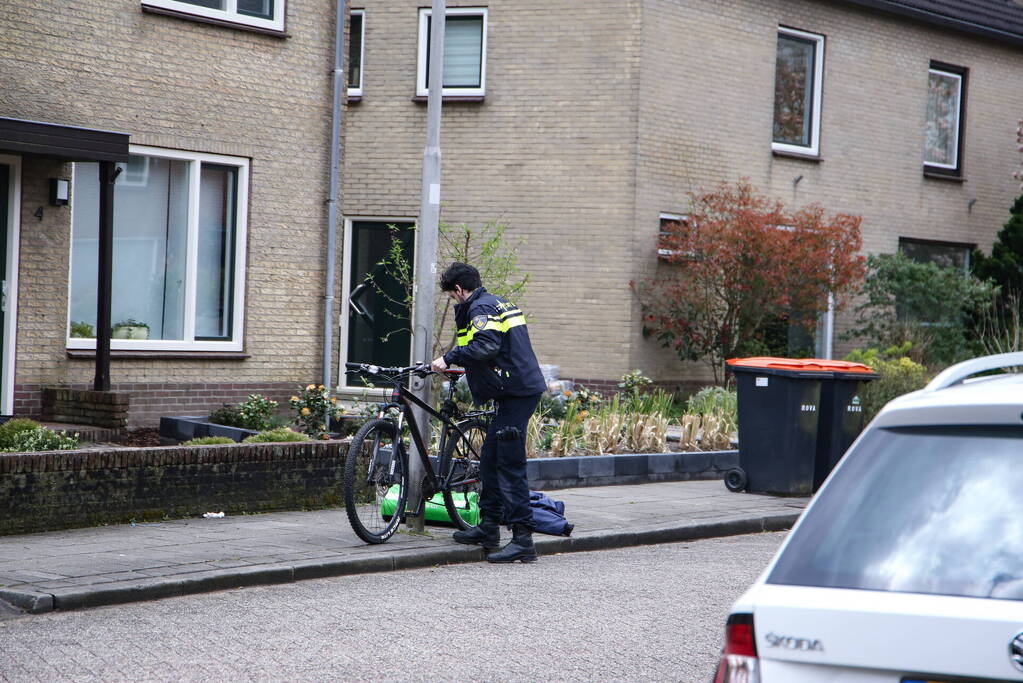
[956,398]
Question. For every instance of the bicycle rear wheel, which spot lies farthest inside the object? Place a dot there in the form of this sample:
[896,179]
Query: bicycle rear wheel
[375,482]
[463,457]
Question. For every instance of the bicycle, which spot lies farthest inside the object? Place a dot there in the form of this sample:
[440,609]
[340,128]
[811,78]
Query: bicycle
[376,465]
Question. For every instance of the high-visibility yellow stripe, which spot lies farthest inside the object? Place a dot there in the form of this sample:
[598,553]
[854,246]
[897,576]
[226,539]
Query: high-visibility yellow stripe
[494,322]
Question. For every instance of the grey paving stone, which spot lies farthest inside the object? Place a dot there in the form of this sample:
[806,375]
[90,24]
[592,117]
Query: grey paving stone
[118,563]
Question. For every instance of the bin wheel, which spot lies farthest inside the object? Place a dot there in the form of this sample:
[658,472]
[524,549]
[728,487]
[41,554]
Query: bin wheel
[735,479]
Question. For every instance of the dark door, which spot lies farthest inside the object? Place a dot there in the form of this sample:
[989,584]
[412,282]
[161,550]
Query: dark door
[378,311]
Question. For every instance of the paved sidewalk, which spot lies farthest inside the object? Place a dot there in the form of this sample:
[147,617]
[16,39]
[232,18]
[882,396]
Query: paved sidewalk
[124,563]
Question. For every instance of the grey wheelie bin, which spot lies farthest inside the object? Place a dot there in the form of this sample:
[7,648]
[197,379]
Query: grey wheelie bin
[792,421]
[841,416]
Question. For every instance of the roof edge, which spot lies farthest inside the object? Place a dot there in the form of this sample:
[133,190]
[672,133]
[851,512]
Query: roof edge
[940,20]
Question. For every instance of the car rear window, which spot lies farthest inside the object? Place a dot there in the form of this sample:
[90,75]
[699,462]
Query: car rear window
[936,510]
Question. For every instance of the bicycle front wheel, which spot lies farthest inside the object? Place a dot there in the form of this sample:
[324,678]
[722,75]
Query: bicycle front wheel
[375,482]
[462,500]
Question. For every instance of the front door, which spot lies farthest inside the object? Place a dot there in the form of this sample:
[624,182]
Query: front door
[378,311]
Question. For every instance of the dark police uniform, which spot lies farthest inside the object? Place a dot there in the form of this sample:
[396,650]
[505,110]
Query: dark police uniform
[493,347]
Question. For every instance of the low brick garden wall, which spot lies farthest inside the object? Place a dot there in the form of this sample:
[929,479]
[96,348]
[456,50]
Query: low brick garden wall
[62,489]
[65,489]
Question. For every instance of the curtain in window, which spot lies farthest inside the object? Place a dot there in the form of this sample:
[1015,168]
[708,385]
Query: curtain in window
[793,91]
[463,52]
[942,137]
[215,267]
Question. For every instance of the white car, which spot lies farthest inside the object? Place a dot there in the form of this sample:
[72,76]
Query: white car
[907,566]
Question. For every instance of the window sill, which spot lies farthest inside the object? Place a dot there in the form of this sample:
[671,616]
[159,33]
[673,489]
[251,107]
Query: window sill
[450,98]
[796,155]
[216,22]
[90,354]
[935,175]
[353,99]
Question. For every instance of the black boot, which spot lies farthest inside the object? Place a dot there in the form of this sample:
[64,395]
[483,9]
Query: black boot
[487,534]
[520,548]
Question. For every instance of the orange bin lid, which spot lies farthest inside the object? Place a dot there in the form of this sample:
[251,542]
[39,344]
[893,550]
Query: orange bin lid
[799,364]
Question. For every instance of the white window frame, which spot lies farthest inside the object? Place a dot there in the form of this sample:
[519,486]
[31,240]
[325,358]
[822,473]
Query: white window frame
[342,386]
[818,86]
[229,14]
[10,327]
[954,166]
[424,15]
[189,343]
[356,90]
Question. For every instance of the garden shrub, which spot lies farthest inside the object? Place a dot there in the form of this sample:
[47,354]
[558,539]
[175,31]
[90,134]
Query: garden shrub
[255,412]
[281,434]
[208,441]
[897,375]
[714,400]
[931,306]
[228,415]
[40,439]
[10,430]
[634,382]
[312,406]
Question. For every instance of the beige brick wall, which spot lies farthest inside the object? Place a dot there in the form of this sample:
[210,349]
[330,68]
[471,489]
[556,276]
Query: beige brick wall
[706,108]
[550,152]
[599,116]
[180,84]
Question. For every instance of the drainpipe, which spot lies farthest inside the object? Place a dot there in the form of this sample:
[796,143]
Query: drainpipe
[335,161]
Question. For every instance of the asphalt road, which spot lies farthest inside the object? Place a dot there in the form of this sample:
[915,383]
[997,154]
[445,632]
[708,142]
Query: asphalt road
[650,613]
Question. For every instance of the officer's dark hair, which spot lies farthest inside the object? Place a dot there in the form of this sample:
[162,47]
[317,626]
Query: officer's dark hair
[461,274]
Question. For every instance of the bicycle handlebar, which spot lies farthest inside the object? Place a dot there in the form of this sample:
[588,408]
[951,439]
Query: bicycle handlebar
[421,369]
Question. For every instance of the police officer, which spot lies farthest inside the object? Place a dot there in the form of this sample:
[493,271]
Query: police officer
[493,347]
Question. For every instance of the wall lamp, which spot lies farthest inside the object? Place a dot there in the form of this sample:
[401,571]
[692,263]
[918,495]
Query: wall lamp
[59,191]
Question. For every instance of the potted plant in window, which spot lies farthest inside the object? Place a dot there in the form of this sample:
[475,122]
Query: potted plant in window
[130,329]
[80,328]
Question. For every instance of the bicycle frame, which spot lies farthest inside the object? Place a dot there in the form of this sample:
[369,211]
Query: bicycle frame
[432,483]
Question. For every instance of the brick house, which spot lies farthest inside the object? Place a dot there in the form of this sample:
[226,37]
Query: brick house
[582,126]
[579,125]
[222,118]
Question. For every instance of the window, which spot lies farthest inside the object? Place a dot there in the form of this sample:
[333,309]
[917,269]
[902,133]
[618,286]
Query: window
[943,137]
[943,254]
[921,306]
[378,314]
[264,14]
[356,33]
[671,224]
[179,252]
[799,68]
[912,510]
[465,52]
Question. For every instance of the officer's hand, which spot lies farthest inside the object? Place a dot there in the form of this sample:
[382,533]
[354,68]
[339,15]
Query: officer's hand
[438,364]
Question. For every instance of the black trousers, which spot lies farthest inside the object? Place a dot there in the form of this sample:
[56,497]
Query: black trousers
[505,494]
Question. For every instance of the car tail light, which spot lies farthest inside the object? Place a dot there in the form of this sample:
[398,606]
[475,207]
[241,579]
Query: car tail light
[739,663]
